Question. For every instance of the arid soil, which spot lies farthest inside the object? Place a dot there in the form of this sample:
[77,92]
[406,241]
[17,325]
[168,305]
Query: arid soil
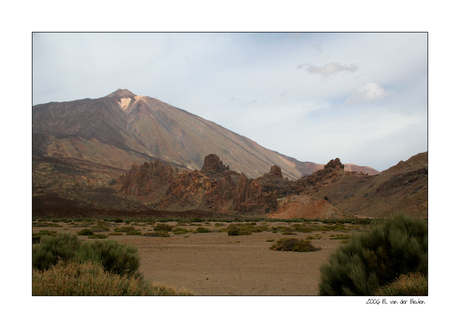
[215,263]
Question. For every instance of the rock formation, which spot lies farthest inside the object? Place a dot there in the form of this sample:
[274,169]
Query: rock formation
[213,166]
[215,187]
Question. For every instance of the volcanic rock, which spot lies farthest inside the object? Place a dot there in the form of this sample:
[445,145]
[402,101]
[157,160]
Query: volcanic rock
[330,173]
[215,188]
[275,172]
[213,165]
[147,178]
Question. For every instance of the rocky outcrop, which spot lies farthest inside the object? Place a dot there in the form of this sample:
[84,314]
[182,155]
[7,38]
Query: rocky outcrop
[213,166]
[275,172]
[145,179]
[330,173]
[215,187]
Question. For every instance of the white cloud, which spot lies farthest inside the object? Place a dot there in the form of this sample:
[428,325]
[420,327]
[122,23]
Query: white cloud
[329,69]
[369,92]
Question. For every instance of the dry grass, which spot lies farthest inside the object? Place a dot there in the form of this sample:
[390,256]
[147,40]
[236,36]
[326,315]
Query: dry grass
[411,284]
[90,279]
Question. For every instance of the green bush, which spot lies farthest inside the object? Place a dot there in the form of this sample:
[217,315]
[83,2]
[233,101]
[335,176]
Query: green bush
[157,234]
[162,227]
[238,230]
[293,245]
[134,232]
[202,230]
[85,232]
[301,228]
[376,258]
[54,248]
[124,229]
[115,257]
[179,231]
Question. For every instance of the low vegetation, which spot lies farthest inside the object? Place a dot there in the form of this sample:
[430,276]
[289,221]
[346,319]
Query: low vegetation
[163,227]
[413,284]
[90,279]
[293,245]
[179,231]
[157,234]
[376,258]
[115,257]
[63,265]
[388,257]
[202,230]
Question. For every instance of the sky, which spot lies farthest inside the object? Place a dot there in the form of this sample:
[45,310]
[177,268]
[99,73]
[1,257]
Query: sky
[361,97]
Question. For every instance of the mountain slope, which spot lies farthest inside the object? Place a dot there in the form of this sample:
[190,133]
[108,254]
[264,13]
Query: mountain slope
[401,188]
[123,128]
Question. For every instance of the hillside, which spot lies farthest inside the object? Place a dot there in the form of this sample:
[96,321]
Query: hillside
[401,188]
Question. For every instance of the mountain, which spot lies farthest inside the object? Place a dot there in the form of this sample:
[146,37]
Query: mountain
[113,132]
[125,154]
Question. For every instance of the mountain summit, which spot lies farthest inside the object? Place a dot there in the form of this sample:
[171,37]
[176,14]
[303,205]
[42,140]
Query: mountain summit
[120,93]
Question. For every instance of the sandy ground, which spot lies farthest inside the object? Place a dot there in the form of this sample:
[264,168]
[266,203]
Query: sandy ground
[217,264]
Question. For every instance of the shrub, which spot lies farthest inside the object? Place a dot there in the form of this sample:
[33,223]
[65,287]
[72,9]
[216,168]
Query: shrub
[202,230]
[316,236]
[162,227]
[54,248]
[339,236]
[98,236]
[90,279]
[157,234]
[301,228]
[233,230]
[124,229]
[134,232]
[100,228]
[411,284]
[376,258]
[294,245]
[238,230]
[85,232]
[179,231]
[115,257]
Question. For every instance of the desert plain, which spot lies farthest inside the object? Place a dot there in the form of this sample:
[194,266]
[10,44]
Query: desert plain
[217,264]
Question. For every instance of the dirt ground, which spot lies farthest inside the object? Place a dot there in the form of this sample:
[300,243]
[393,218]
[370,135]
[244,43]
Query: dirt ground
[215,263]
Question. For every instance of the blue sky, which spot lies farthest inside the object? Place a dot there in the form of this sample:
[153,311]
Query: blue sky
[361,97]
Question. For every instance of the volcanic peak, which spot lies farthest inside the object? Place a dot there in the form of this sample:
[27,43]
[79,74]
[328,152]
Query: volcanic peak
[121,93]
